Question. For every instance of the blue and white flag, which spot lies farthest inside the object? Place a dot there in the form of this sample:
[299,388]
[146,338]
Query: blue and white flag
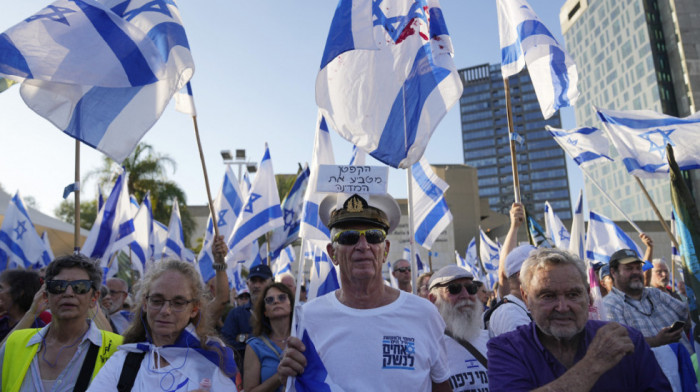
[676,258]
[114,226]
[489,252]
[586,146]
[555,229]
[292,206]
[605,238]
[323,276]
[312,228]
[641,136]
[47,245]
[141,245]
[237,280]
[261,211]
[389,99]
[101,75]
[431,215]
[184,100]
[19,241]
[175,244]
[577,241]
[420,266]
[392,279]
[160,237]
[470,256]
[461,262]
[283,264]
[525,40]
[227,205]
[358,157]
[315,377]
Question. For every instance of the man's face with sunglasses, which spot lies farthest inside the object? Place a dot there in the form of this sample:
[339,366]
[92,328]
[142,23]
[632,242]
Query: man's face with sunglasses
[459,290]
[359,250]
[70,294]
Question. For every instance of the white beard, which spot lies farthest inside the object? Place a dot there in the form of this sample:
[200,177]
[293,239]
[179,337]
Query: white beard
[464,324]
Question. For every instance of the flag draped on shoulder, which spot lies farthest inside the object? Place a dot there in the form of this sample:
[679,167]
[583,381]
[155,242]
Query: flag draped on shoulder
[586,146]
[387,76]
[431,215]
[20,244]
[114,226]
[555,229]
[604,238]
[261,211]
[292,206]
[641,136]
[101,75]
[525,40]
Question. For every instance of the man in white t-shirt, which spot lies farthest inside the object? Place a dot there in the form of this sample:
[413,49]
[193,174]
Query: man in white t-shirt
[453,292]
[366,336]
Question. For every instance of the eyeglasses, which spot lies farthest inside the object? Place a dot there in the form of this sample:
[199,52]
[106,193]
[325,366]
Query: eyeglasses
[403,269]
[280,298]
[60,286]
[351,237]
[176,304]
[456,288]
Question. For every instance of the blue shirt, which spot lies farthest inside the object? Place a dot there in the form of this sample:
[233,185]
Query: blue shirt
[268,358]
[237,322]
[519,362]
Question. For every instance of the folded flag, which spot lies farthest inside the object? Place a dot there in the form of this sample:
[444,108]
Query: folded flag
[586,146]
[70,188]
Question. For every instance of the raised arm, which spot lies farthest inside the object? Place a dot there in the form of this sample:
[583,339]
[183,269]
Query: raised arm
[221,297]
[517,217]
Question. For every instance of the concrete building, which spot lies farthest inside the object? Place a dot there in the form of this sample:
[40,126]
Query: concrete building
[635,54]
[541,162]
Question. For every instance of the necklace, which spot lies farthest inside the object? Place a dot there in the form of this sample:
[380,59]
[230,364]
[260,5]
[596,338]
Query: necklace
[45,348]
[639,310]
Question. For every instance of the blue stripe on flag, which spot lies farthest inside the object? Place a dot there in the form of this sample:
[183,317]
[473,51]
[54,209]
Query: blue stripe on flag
[189,88]
[166,36]
[136,68]
[632,164]
[315,373]
[173,246]
[340,37]
[428,187]
[634,123]
[393,145]
[560,76]
[206,267]
[312,218]
[12,61]
[430,221]
[620,234]
[530,27]
[125,229]
[14,248]
[107,223]
[587,156]
[437,22]
[138,252]
[257,221]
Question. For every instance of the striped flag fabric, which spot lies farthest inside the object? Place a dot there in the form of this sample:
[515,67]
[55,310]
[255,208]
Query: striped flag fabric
[160,237]
[470,255]
[525,40]
[586,146]
[323,275]
[283,263]
[358,157]
[555,229]
[20,244]
[142,236]
[431,215]
[292,206]
[489,252]
[536,234]
[47,245]
[577,241]
[101,75]
[387,95]
[175,244]
[184,100]
[604,238]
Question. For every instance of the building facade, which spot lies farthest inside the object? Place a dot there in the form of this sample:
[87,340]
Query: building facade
[630,55]
[486,143]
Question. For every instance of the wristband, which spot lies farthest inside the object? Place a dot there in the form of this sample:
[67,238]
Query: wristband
[219,266]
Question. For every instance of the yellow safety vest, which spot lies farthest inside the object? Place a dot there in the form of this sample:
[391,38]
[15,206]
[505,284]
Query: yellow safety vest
[18,356]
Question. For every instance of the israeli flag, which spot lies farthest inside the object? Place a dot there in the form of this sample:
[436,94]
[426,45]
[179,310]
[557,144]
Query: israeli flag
[489,252]
[641,136]
[431,215]
[160,237]
[184,100]
[101,75]
[358,157]
[227,206]
[555,229]
[261,211]
[47,245]
[323,275]
[525,40]
[312,228]
[578,230]
[470,255]
[236,278]
[586,146]
[292,206]
[464,264]
[113,229]
[420,266]
[19,241]
[604,238]
[283,264]
[389,99]
[141,245]
[175,244]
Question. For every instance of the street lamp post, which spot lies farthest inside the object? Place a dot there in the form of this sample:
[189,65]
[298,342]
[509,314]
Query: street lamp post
[239,160]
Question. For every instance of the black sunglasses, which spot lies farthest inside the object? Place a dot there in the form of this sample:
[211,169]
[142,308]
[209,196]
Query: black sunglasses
[456,288]
[60,286]
[403,269]
[351,237]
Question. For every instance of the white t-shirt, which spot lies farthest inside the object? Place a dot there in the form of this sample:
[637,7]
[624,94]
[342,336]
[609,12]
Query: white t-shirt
[396,347]
[508,316]
[468,374]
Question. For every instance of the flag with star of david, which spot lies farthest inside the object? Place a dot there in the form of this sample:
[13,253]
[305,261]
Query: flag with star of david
[604,238]
[261,210]
[292,206]
[227,205]
[555,229]
[20,244]
[387,76]
[431,215]
[641,136]
[489,252]
[100,71]
[586,146]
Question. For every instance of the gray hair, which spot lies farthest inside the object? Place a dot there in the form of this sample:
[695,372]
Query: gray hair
[545,257]
[656,262]
[279,277]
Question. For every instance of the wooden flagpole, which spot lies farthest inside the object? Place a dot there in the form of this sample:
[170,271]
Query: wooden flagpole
[511,131]
[206,177]
[76,233]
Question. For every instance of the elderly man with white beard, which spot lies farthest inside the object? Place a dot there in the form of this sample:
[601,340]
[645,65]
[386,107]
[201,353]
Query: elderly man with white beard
[453,292]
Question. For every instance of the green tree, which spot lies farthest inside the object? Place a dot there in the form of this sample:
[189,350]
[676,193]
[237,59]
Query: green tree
[88,212]
[148,171]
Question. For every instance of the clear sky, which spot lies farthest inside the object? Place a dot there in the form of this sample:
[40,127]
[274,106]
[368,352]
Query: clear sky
[256,64]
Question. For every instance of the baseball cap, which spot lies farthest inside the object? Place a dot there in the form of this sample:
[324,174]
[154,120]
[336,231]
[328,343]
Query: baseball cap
[261,271]
[604,271]
[624,256]
[380,210]
[447,274]
[243,292]
[516,258]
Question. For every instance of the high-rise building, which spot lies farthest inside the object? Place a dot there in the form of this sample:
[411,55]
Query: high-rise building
[541,162]
[634,54]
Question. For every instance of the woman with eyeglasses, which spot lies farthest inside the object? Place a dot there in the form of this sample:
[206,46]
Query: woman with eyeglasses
[170,344]
[272,321]
[67,353]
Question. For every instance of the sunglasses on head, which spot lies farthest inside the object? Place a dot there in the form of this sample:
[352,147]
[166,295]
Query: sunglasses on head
[456,288]
[60,286]
[351,237]
[280,298]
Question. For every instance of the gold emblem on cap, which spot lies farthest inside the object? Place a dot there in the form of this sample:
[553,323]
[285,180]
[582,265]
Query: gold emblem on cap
[354,204]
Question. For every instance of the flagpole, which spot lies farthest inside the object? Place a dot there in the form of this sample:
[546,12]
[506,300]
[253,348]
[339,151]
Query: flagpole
[411,241]
[269,255]
[76,232]
[610,199]
[511,131]
[206,177]
[658,214]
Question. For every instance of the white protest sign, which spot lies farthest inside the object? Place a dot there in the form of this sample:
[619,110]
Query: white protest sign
[352,179]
